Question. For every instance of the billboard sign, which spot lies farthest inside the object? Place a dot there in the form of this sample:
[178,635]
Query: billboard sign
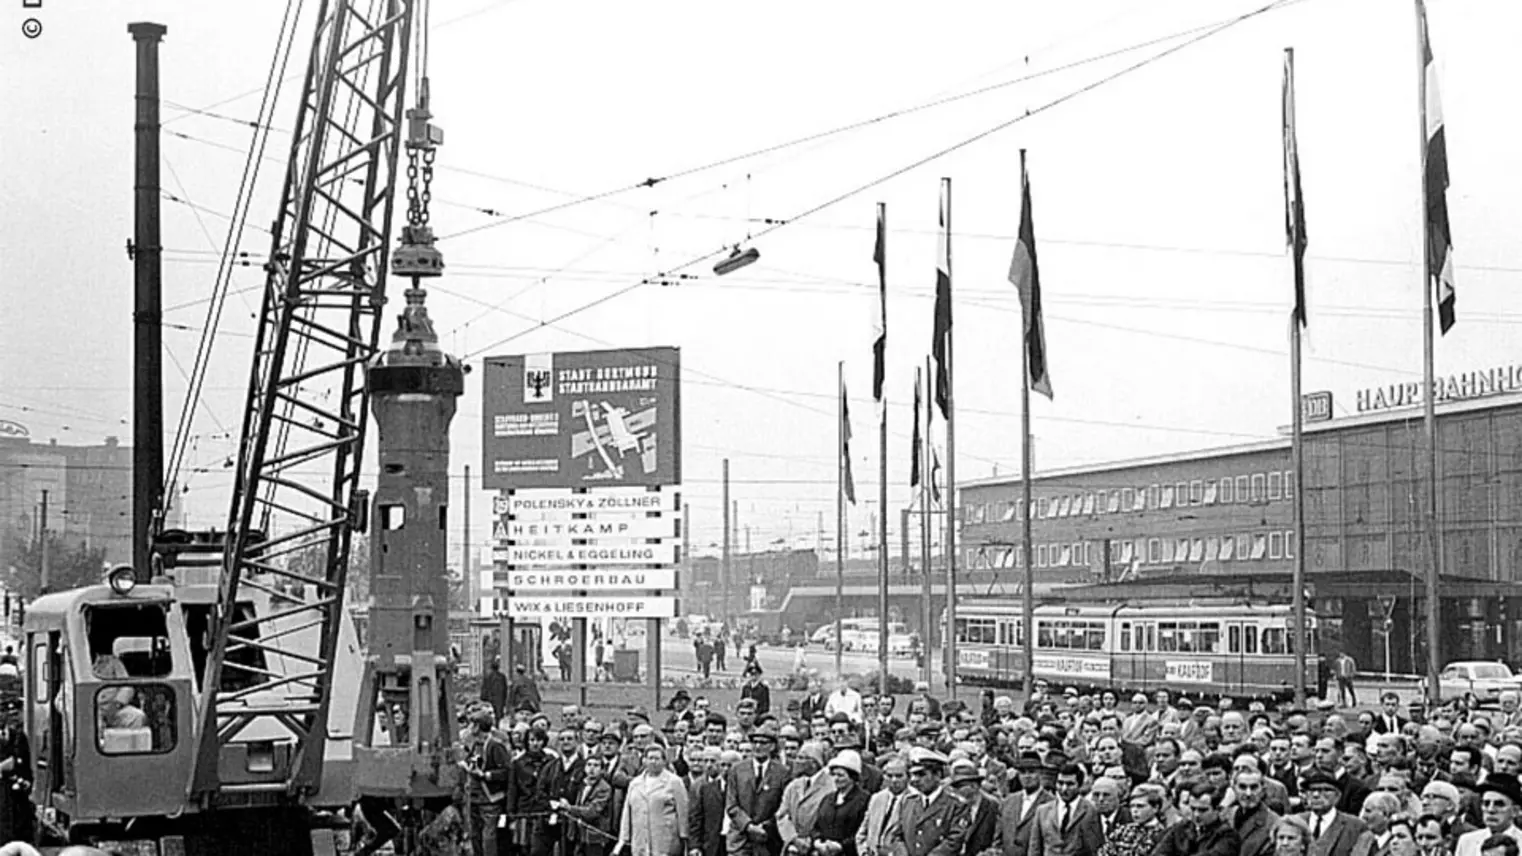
[592,607]
[636,579]
[620,529]
[561,504]
[524,555]
[582,419]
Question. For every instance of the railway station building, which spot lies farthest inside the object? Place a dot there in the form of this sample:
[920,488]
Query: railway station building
[1219,522]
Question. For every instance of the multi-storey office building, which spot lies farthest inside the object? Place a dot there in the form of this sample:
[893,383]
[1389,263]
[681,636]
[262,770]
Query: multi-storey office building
[1221,521]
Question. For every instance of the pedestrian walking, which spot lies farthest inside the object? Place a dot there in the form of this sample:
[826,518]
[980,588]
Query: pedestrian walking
[1347,668]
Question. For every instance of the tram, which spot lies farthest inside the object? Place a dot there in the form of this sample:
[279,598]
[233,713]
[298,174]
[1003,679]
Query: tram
[1208,648]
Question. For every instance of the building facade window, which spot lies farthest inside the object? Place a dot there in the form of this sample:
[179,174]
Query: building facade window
[1040,555]
[1228,548]
[1276,545]
[1154,551]
[1241,488]
[1101,501]
[1225,492]
[1289,484]
[1244,545]
[1127,499]
[1289,544]
[1275,485]
[1181,490]
[1041,507]
[1154,497]
[1167,500]
[1196,492]
[1257,487]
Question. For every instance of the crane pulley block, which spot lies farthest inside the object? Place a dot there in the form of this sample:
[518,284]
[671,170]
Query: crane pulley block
[422,134]
[417,256]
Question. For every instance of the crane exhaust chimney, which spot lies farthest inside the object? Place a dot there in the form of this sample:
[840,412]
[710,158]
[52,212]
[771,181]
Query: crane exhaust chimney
[146,252]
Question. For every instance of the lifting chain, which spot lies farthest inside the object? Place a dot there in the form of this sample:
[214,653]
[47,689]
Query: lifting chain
[417,200]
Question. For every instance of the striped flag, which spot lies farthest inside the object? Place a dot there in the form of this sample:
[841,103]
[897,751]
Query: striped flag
[1435,184]
[941,335]
[1294,203]
[845,445]
[880,319]
[914,462]
[1025,275]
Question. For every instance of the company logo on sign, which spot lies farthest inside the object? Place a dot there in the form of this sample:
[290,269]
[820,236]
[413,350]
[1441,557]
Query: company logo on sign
[1190,671]
[973,659]
[1075,667]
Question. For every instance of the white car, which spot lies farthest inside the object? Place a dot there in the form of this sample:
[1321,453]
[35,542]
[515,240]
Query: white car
[1481,679]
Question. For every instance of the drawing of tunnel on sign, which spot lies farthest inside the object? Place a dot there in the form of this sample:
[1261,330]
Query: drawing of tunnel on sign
[611,435]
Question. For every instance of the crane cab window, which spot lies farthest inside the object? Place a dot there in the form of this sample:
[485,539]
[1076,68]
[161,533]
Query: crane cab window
[129,640]
[135,719]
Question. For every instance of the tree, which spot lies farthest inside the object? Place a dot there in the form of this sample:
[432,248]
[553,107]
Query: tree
[68,566]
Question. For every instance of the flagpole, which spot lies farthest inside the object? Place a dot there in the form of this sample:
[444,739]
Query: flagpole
[927,477]
[882,485]
[1297,449]
[840,515]
[950,664]
[1429,411]
[1028,599]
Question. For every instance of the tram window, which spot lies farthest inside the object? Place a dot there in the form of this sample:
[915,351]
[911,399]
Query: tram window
[40,671]
[128,640]
[1096,636]
[961,630]
[1167,636]
[1234,639]
[1209,639]
[1125,636]
[1274,641]
[1044,634]
[1250,639]
[980,631]
[135,720]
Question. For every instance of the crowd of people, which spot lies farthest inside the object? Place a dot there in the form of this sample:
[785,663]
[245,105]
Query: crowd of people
[1065,773]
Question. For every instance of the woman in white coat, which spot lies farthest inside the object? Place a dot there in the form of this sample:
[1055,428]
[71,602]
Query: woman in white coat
[654,821]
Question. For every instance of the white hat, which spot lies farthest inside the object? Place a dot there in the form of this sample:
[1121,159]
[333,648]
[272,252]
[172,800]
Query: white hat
[847,759]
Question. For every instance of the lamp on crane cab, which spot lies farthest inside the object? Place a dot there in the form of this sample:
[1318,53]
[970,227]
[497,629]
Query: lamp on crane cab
[122,579]
[737,259]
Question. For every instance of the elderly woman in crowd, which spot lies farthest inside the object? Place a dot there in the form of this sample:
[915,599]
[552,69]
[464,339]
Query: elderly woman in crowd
[655,811]
[841,813]
[1292,837]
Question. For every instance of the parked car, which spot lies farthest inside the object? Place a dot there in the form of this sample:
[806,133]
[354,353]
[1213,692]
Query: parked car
[1482,679]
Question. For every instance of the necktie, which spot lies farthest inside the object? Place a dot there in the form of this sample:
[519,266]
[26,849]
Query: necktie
[1316,833]
[882,828]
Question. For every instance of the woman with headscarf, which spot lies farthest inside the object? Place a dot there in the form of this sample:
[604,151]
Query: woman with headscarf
[654,821]
[841,813]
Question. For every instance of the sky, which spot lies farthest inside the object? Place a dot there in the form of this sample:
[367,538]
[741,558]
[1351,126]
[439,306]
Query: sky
[1153,139]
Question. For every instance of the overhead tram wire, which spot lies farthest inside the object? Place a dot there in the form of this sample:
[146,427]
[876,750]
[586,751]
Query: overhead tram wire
[835,200]
[275,75]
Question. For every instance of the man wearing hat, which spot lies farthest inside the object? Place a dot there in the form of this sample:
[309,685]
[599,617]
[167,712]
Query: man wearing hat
[932,704]
[883,808]
[982,809]
[756,690]
[680,710]
[1335,833]
[812,784]
[1500,798]
[753,793]
[1019,809]
[933,822]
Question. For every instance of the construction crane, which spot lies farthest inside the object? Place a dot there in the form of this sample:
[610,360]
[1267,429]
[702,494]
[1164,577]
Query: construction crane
[216,706]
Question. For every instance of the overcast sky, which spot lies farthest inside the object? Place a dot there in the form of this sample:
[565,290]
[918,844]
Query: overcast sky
[1158,210]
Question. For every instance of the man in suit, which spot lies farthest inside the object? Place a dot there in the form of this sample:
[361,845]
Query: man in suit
[705,817]
[882,809]
[1250,815]
[1333,832]
[1017,814]
[1205,833]
[1441,800]
[1389,720]
[812,784]
[1105,795]
[933,821]
[753,792]
[982,809]
[1068,825]
[592,805]
[1500,802]
[813,703]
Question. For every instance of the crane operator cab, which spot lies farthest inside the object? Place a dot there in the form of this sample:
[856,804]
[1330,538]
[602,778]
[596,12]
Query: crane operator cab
[108,700]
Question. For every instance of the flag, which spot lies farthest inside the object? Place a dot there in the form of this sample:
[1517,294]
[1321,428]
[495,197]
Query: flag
[1026,277]
[845,446]
[1435,185]
[1294,203]
[940,339]
[914,463]
[935,475]
[880,319]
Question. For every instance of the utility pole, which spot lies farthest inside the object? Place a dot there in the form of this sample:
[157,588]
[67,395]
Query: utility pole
[147,317]
[42,573]
[468,567]
[724,571]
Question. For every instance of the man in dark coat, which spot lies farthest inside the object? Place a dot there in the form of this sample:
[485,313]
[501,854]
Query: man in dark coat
[494,688]
[982,809]
[523,693]
[755,689]
[753,793]
[705,800]
[1017,815]
[1206,833]
[592,807]
[1251,817]
[1335,832]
